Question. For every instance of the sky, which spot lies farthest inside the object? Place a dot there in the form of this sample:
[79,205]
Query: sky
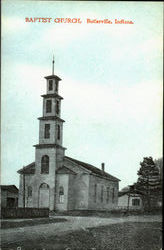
[111,82]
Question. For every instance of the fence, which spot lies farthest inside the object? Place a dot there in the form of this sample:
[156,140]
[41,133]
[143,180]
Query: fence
[24,212]
[128,208]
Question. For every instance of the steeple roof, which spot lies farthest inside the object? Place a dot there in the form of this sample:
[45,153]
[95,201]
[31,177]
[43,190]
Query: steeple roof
[53,77]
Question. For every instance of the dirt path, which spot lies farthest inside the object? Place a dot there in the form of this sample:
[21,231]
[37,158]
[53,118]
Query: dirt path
[39,232]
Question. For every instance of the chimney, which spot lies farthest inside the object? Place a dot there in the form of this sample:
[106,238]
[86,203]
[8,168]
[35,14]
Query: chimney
[103,166]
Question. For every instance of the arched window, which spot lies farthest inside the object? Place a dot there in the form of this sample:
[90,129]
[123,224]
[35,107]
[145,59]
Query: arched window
[61,194]
[44,186]
[48,106]
[58,132]
[95,192]
[45,164]
[29,191]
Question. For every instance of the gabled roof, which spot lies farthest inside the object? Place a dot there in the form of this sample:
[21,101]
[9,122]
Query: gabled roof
[29,169]
[93,169]
[10,188]
[64,170]
[129,193]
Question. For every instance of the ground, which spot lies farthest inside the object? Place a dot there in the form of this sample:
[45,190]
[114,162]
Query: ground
[85,233]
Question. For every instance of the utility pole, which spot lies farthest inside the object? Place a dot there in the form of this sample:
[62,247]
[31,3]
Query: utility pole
[23,189]
[128,201]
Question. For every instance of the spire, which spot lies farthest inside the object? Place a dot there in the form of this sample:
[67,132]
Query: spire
[53,65]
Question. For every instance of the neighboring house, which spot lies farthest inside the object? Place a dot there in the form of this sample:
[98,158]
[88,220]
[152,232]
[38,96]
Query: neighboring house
[130,200]
[57,181]
[9,196]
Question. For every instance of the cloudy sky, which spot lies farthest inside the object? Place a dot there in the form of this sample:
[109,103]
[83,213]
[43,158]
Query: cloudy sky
[111,82]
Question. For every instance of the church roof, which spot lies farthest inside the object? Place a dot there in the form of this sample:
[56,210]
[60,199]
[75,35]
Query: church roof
[29,169]
[10,188]
[64,170]
[93,169]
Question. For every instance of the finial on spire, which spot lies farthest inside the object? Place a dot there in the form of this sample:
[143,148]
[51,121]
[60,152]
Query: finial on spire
[53,65]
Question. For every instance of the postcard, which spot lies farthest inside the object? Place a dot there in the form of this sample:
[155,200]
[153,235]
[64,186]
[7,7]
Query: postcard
[81,123]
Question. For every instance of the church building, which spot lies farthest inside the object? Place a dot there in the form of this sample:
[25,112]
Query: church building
[59,182]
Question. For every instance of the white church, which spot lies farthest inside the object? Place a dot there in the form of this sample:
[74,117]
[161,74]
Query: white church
[56,181]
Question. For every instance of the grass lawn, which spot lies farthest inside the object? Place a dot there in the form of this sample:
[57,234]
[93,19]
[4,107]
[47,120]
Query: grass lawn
[121,236]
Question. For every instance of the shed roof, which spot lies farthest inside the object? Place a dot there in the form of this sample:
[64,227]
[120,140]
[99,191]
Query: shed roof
[129,192]
[10,188]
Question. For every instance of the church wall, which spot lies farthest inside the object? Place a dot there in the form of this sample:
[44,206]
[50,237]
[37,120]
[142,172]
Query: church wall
[96,202]
[20,194]
[59,141]
[53,112]
[62,180]
[45,178]
[52,132]
[81,187]
[28,182]
[71,192]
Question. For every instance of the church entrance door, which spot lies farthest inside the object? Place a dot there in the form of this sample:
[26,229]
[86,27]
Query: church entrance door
[44,196]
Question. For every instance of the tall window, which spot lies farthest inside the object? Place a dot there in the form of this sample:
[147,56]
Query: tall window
[61,194]
[48,106]
[57,107]
[112,195]
[107,195]
[50,86]
[45,164]
[29,191]
[56,86]
[102,193]
[47,131]
[95,193]
[58,132]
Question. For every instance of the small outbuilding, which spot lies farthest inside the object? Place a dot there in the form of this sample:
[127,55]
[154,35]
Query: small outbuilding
[130,199]
[9,196]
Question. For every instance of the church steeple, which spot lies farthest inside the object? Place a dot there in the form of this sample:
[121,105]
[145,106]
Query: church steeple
[51,124]
[53,65]
[49,152]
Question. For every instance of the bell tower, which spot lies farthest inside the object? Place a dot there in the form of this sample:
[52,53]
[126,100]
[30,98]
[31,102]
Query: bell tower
[49,153]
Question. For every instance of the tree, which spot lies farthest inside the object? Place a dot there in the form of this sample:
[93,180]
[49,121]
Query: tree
[149,182]
[159,164]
